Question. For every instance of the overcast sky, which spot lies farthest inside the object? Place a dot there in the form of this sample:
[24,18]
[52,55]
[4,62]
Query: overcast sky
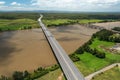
[62,5]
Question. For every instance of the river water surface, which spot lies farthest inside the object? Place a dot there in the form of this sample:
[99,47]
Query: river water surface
[28,49]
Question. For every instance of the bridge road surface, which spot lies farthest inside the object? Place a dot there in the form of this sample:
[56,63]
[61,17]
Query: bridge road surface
[69,69]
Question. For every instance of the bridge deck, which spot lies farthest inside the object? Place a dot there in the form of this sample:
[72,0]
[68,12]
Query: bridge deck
[68,67]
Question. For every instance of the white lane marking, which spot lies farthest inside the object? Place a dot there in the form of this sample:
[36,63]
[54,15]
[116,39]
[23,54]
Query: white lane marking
[65,61]
[62,55]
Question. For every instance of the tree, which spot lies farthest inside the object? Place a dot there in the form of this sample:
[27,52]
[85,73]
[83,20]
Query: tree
[100,55]
[103,35]
[74,58]
[18,75]
[116,28]
[4,78]
[26,73]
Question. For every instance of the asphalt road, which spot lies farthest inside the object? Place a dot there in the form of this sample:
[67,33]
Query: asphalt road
[69,69]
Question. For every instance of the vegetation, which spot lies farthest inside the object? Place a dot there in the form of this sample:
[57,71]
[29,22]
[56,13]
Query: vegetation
[28,20]
[18,24]
[55,74]
[59,22]
[93,55]
[50,15]
[17,75]
[86,21]
[89,63]
[101,16]
[93,51]
[116,28]
[103,35]
[107,35]
[21,24]
[112,58]
[18,15]
[112,74]
[88,58]
[74,57]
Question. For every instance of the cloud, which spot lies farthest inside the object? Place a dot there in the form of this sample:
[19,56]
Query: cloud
[74,4]
[15,4]
[64,5]
[2,2]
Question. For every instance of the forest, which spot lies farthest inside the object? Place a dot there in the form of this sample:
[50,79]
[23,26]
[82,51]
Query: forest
[35,15]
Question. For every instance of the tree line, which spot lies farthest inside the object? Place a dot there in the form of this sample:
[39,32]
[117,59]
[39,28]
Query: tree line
[104,35]
[116,28]
[17,75]
[35,15]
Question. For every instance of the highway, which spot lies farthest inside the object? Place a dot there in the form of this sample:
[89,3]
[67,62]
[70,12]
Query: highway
[69,69]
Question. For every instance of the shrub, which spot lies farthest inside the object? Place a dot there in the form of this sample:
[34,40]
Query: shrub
[18,75]
[116,28]
[74,58]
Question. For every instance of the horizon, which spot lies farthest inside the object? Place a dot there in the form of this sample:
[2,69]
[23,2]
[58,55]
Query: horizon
[57,11]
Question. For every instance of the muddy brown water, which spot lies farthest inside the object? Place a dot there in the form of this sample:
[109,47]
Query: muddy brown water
[108,25]
[28,49]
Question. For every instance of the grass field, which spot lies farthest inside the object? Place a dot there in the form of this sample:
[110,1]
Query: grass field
[89,63]
[21,24]
[86,21]
[52,75]
[97,43]
[110,57]
[58,22]
[18,24]
[112,74]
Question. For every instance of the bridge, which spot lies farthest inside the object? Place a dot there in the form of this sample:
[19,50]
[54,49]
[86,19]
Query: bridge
[69,69]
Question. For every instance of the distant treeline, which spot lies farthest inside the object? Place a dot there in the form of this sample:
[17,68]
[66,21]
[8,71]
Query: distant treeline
[10,15]
[30,15]
[81,16]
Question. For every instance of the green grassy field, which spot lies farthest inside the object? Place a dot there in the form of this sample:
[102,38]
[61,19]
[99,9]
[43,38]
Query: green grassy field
[58,22]
[18,24]
[110,57]
[98,44]
[89,63]
[19,21]
[86,21]
[21,24]
[112,74]
[52,75]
